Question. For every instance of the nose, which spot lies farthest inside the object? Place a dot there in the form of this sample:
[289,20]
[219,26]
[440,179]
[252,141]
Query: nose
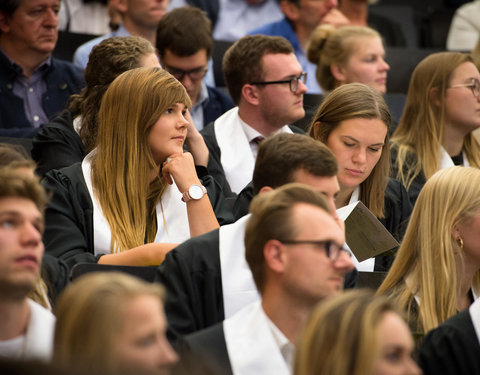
[360,156]
[51,18]
[333,4]
[30,235]
[182,121]
[344,263]
[168,356]
[186,81]
[301,88]
[384,65]
[413,368]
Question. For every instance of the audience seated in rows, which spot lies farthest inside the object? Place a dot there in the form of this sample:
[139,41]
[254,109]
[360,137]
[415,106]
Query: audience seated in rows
[232,19]
[139,17]
[34,85]
[293,246]
[207,277]
[353,122]
[267,84]
[441,112]
[70,136]
[127,193]
[301,17]
[185,55]
[436,272]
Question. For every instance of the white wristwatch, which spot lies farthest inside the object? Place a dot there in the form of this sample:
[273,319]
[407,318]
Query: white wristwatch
[194,192]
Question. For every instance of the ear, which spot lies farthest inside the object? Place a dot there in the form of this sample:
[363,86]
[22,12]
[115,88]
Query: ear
[290,10]
[338,73]
[250,94]
[434,96]
[4,22]
[315,127]
[264,189]
[273,251]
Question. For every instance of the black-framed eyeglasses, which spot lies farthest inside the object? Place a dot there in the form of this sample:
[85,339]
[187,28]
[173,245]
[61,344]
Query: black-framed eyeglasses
[193,74]
[293,82]
[474,86]
[331,248]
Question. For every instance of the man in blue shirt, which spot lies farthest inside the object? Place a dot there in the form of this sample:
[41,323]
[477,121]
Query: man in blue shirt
[301,17]
[33,85]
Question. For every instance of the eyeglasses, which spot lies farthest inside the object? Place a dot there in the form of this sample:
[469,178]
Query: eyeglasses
[331,248]
[474,86]
[193,74]
[293,82]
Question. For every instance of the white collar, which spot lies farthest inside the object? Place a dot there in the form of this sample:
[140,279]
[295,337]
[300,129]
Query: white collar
[171,211]
[474,311]
[445,161]
[238,286]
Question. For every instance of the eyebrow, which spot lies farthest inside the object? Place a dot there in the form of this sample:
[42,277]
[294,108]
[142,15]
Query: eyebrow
[356,140]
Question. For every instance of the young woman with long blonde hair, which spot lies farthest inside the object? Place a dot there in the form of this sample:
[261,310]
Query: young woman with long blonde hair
[137,194]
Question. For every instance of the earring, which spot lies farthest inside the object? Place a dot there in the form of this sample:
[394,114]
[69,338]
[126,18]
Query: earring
[460,242]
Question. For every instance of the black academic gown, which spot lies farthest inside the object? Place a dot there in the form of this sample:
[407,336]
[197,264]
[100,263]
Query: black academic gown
[192,276]
[69,215]
[397,213]
[451,349]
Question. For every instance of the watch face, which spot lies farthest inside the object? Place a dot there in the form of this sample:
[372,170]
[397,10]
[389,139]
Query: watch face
[195,191]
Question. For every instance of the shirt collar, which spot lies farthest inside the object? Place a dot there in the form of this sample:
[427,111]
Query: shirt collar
[203,97]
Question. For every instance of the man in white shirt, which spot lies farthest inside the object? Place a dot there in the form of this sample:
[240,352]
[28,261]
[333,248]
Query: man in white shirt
[294,249]
[26,328]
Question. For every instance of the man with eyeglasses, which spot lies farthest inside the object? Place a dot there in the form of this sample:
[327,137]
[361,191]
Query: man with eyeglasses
[185,55]
[293,246]
[267,84]
[207,277]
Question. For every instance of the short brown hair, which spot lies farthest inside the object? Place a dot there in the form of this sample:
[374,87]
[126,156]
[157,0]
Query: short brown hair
[242,63]
[280,156]
[271,219]
[15,156]
[17,185]
[184,31]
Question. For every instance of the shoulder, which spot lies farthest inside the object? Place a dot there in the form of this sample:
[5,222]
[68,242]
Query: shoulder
[216,94]
[67,70]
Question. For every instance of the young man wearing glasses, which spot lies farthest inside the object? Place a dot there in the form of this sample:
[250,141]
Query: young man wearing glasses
[185,55]
[267,84]
[293,247]
[207,277]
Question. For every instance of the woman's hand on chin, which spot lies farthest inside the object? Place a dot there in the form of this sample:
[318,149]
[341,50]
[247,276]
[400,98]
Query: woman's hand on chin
[180,168]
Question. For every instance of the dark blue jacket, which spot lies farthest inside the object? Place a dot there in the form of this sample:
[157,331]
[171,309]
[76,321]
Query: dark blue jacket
[218,103]
[63,79]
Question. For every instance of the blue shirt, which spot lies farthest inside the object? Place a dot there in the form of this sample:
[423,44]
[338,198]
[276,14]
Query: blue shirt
[80,58]
[284,28]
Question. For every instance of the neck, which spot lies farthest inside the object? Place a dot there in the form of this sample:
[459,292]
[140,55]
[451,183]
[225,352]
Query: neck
[343,196]
[28,60]
[252,117]
[466,281]
[453,139]
[288,316]
[148,33]
[303,34]
[17,313]
[356,12]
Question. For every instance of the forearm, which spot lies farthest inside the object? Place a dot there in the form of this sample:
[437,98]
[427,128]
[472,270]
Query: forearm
[151,254]
[201,218]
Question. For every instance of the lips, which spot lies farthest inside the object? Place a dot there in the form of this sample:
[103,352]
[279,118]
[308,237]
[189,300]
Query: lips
[354,172]
[27,260]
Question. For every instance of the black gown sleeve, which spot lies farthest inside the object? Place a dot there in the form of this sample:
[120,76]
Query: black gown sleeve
[452,348]
[69,217]
[57,144]
[191,275]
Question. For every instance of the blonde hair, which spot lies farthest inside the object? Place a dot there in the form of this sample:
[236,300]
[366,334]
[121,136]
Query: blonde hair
[350,101]
[123,161]
[329,46]
[89,317]
[420,130]
[427,255]
[341,337]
